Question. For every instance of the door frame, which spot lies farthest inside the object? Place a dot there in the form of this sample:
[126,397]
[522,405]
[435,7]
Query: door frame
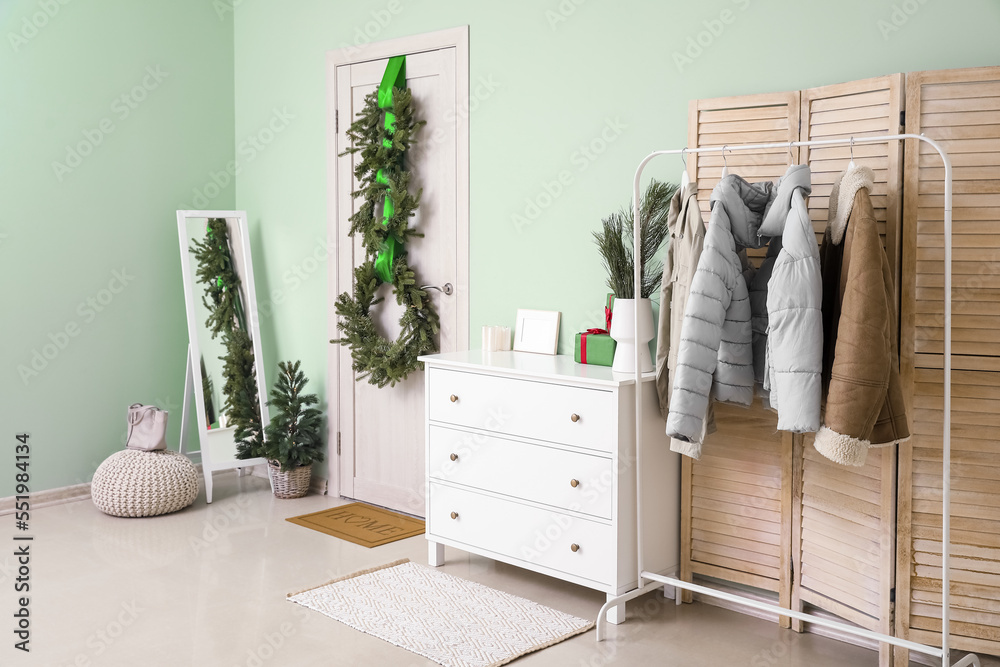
[432,41]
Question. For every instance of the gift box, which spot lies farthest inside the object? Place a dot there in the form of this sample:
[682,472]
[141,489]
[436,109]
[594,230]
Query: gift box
[595,346]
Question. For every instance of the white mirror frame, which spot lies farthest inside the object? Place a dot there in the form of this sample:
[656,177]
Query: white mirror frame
[213,440]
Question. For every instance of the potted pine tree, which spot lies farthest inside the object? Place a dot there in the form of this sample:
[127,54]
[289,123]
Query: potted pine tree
[615,245]
[293,440]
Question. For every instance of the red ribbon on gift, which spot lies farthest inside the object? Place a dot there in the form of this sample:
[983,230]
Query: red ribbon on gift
[583,336]
[583,342]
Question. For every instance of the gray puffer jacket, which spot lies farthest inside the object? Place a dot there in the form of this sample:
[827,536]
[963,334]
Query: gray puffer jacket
[716,357]
[790,370]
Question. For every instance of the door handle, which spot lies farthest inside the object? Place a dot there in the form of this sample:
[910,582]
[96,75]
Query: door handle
[446,288]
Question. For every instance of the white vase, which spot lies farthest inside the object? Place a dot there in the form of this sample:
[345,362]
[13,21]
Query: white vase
[623,332]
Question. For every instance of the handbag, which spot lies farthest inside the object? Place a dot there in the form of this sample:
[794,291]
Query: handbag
[147,428]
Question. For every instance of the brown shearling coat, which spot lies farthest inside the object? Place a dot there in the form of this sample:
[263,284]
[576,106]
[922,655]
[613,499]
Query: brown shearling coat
[864,398]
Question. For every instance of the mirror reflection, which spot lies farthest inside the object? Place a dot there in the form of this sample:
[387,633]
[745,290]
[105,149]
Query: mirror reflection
[224,365]
[217,272]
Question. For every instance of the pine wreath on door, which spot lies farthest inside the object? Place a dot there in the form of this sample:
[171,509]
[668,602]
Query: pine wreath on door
[380,431]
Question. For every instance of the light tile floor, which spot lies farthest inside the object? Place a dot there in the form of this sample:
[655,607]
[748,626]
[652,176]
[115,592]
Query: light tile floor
[206,587]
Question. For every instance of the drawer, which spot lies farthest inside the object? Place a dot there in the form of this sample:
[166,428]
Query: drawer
[523,407]
[532,535]
[522,470]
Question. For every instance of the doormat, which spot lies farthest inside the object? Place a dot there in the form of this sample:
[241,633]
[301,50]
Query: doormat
[452,621]
[361,524]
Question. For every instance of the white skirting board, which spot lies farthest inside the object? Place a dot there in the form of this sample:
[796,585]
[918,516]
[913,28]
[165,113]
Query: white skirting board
[39,499]
[317,485]
[768,596]
[77,492]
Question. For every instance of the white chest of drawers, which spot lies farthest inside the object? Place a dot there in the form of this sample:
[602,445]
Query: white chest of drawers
[531,461]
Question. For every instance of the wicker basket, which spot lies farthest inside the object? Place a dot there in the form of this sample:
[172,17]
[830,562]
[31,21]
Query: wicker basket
[292,483]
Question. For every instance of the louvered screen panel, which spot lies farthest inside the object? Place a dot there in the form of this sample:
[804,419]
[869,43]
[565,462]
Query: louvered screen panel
[736,507]
[737,518]
[748,119]
[858,109]
[844,518]
[961,109]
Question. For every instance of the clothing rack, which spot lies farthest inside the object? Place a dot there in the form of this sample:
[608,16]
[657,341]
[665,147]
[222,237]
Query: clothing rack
[659,580]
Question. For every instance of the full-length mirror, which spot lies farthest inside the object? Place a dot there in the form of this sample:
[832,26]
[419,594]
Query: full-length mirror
[225,375]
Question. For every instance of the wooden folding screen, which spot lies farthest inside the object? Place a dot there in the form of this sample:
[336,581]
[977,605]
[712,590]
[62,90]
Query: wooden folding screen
[961,109]
[844,519]
[736,500]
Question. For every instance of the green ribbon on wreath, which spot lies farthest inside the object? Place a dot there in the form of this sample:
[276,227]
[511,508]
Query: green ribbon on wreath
[394,77]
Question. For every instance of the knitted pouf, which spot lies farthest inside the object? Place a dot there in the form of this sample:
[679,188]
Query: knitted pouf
[135,483]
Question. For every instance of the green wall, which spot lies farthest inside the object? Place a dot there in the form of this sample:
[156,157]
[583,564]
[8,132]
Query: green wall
[548,80]
[65,234]
[573,88]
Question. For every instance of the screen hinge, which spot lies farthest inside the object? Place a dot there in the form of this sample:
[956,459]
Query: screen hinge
[338,444]
[336,120]
[902,119]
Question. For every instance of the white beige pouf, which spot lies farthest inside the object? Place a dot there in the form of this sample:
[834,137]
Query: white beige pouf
[136,484]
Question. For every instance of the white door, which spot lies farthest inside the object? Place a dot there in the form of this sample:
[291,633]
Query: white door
[382,430]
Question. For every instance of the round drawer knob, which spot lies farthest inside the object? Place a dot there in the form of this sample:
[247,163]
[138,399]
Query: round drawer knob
[574,417]
[574,483]
[454,398]
[454,515]
[453,457]
[574,547]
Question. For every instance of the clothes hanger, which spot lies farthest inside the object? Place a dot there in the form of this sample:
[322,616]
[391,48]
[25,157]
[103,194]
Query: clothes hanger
[685,178]
[791,156]
[725,165]
[850,165]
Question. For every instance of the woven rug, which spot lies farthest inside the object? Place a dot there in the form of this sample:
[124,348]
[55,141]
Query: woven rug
[361,524]
[446,619]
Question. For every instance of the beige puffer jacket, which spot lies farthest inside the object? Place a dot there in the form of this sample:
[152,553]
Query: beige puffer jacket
[687,240]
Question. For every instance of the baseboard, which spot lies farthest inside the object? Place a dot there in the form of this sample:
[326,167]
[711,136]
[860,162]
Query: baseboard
[317,485]
[39,499]
[770,597]
[60,496]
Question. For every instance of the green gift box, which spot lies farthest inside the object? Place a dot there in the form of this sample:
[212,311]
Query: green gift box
[595,346]
[596,349]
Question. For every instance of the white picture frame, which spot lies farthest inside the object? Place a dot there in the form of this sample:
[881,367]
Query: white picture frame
[537,331]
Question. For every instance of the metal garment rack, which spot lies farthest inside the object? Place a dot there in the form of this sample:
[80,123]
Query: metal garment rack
[659,580]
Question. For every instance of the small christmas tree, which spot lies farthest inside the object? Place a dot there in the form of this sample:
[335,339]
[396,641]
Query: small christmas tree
[295,435]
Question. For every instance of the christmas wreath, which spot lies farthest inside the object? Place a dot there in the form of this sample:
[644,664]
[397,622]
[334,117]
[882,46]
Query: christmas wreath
[381,135]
